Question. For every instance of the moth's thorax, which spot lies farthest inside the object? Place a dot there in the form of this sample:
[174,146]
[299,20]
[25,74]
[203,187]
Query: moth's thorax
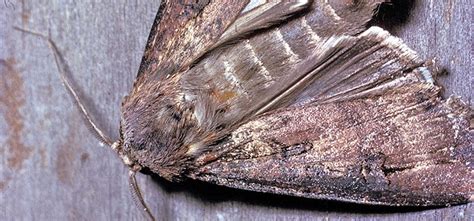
[155,128]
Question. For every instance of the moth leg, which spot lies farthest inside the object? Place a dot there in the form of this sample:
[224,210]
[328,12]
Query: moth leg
[137,193]
[64,73]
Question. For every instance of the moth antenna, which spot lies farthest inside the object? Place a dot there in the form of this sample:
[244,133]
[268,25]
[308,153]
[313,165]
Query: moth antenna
[137,193]
[64,72]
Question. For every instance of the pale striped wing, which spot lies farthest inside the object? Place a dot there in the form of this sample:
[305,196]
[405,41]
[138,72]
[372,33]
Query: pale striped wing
[288,64]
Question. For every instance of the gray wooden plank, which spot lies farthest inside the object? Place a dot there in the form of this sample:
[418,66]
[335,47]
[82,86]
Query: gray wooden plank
[53,169]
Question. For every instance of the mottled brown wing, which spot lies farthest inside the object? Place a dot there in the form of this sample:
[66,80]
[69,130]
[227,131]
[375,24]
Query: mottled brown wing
[181,31]
[401,144]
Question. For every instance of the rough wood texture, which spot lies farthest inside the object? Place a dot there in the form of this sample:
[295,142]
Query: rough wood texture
[53,169]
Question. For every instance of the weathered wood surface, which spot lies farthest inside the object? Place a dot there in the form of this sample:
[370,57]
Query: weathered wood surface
[51,168]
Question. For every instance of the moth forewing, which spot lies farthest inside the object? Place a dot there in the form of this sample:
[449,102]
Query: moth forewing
[380,148]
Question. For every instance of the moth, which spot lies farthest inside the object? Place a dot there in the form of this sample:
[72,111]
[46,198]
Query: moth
[297,98]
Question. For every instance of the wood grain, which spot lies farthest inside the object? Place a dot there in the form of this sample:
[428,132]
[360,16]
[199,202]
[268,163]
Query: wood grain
[51,168]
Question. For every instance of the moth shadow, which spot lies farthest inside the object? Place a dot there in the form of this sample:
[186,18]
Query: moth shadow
[210,193]
[393,15]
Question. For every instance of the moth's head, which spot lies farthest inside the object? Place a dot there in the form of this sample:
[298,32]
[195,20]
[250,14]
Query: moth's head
[152,129]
